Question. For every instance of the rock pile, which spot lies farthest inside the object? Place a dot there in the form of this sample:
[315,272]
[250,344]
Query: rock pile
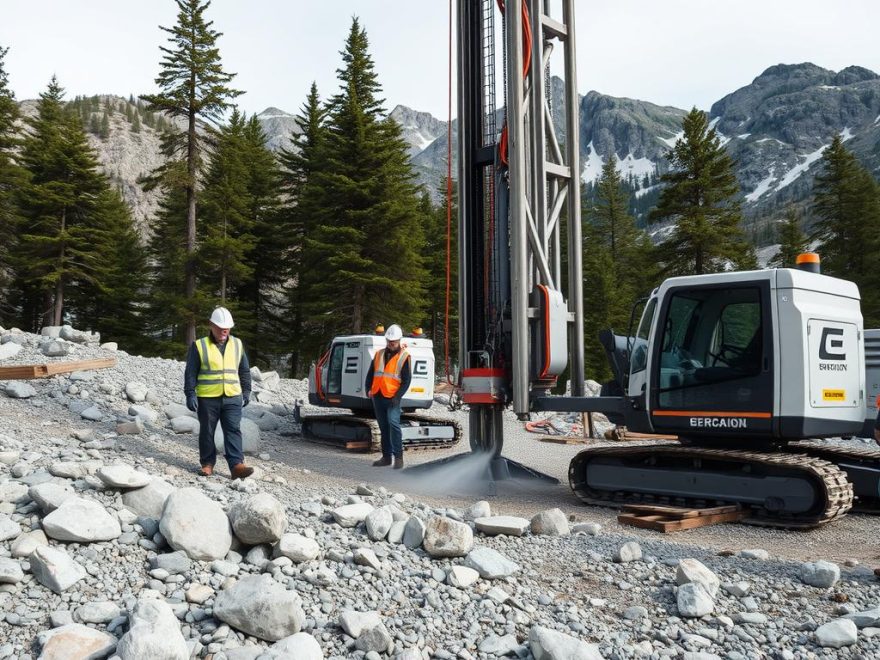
[105,553]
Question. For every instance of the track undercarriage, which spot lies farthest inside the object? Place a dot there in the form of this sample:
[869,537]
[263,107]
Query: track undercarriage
[362,433]
[803,487]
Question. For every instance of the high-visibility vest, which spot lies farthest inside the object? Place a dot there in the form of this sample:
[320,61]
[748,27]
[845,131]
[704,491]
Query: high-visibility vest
[218,372]
[386,377]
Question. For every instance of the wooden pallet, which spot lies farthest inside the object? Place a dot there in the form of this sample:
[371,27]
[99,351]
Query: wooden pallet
[28,371]
[674,519]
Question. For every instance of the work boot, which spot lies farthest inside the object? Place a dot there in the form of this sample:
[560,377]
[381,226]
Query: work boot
[206,470]
[242,471]
[385,461]
[398,462]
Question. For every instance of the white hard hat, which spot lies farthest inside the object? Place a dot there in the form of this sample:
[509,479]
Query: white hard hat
[222,318]
[394,333]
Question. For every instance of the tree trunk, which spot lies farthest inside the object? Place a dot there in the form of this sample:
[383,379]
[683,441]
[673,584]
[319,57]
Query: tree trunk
[59,285]
[190,335]
[357,311]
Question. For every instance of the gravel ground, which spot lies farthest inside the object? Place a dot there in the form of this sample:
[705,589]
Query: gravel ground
[583,585]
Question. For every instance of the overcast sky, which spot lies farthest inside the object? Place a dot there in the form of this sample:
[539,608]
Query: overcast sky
[676,52]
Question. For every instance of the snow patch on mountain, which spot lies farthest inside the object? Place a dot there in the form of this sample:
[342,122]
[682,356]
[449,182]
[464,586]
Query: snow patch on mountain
[641,192]
[762,187]
[846,134]
[766,253]
[743,136]
[592,169]
[636,167]
[799,169]
[670,142]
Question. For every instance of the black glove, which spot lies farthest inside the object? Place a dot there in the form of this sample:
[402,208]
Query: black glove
[245,399]
[192,402]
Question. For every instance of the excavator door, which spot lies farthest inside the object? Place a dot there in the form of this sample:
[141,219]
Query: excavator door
[711,360]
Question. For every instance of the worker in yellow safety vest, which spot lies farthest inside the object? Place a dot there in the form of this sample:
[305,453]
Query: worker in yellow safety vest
[217,384]
[387,381]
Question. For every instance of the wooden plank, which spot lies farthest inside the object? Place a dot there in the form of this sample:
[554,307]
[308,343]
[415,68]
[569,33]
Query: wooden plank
[562,440]
[665,524]
[28,371]
[679,512]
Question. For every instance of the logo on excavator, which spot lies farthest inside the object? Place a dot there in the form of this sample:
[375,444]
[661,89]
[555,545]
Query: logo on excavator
[832,338]
[719,422]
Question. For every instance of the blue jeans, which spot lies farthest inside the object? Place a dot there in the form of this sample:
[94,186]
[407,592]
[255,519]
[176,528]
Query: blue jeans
[226,410]
[388,416]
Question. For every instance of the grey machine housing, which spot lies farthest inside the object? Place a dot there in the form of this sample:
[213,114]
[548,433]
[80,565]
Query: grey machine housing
[807,378]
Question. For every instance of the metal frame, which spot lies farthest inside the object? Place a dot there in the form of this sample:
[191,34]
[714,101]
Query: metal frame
[542,182]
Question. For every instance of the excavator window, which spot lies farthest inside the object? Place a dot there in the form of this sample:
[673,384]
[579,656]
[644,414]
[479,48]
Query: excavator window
[713,349]
[640,345]
[334,369]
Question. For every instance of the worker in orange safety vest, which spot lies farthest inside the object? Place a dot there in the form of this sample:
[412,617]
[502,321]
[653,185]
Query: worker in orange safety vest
[387,381]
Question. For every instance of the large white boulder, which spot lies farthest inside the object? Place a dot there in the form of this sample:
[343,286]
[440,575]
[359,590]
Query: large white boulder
[350,515]
[82,521]
[195,524]
[490,563]
[298,548]
[75,640]
[258,519]
[150,500]
[154,632]
[445,537]
[55,569]
[123,476]
[258,605]
[551,522]
[692,570]
[548,644]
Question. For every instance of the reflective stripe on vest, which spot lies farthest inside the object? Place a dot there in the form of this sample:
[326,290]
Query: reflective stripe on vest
[386,377]
[218,372]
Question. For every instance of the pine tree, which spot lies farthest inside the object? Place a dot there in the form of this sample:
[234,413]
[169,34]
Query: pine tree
[700,198]
[167,303]
[225,237]
[301,168]
[792,240]
[56,240]
[260,297]
[369,240]
[846,203]
[192,85]
[111,301]
[612,246]
[105,126]
[11,179]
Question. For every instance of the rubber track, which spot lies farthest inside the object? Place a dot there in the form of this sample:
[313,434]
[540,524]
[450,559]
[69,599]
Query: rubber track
[839,494]
[376,434]
[837,453]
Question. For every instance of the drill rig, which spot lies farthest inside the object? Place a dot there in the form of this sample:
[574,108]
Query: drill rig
[746,368]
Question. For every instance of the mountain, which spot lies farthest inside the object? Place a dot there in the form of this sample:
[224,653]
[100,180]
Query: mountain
[778,126]
[279,127]
[775,128]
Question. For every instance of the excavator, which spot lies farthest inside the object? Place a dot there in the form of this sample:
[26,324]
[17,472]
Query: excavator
[750,370]
[336,381]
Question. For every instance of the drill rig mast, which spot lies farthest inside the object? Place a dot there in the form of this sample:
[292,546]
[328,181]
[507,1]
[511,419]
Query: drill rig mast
[519,189]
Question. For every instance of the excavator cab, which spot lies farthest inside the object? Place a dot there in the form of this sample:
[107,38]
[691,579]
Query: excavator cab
[764,355]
